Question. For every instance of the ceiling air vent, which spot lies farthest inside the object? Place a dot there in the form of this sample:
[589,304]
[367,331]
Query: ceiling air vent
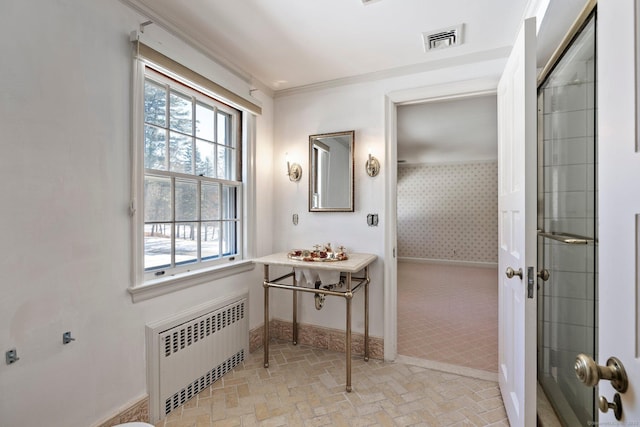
[440,39]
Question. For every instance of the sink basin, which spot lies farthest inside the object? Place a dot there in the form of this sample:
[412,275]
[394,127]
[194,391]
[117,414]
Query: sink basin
[312,276]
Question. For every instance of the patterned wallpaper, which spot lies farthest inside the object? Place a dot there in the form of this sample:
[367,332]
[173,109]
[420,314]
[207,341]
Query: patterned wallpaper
[448,211]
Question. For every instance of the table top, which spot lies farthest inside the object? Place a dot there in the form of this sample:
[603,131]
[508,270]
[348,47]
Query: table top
[355,263]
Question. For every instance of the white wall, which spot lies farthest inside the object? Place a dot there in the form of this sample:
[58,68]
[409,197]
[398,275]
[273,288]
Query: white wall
[359,106]
[65,256]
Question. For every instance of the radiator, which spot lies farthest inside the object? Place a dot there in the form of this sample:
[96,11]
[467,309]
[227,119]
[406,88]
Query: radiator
[190,351]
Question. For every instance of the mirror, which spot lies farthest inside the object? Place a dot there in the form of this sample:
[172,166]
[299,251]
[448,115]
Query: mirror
[331,172]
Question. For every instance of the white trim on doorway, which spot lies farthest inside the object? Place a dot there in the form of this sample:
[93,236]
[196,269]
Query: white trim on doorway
[453,90]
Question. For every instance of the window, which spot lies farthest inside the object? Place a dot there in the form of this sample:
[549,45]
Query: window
[193,195]
[192,189]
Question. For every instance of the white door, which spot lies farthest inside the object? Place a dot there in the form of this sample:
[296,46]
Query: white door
[517,117]
[619,202]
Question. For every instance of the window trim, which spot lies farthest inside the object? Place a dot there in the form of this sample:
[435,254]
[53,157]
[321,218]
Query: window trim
[142,288]
[157,287]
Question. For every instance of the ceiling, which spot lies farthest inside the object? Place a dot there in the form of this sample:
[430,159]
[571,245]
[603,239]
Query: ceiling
[283,44]
[457,130]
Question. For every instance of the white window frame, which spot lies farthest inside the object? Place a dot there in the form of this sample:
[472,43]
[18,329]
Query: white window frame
[147,285]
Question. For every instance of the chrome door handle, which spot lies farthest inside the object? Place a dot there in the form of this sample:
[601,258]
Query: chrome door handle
[544,274]
[511,272]
[590,373]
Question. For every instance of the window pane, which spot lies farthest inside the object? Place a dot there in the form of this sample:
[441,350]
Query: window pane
[229,238]
[204,122]
[157,199]
[157,246]
[210,240]
[210,202]
[229,202]
[155,104]
[155,148]
[186,242]
[186,200]
[181,153]
[226,169]
[192,193]
[224,128]
[204,158]
[180,113]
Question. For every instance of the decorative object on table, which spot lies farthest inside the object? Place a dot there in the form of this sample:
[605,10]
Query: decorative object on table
[320,253]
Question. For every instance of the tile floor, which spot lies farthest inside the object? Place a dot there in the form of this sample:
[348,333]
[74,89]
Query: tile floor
[304,386]
[448,314]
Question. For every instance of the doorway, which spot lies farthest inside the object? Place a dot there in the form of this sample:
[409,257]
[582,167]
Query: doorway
[459,89]
[447,231]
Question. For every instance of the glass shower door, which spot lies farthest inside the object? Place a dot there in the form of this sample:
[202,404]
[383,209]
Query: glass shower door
[567,242]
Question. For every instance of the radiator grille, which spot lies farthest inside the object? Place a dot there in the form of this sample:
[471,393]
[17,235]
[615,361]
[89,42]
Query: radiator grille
[189,353]
[179,398]
[191,333]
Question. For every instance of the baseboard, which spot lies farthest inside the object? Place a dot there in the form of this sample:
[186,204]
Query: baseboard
[256,338]
[453,262]
[318,337]
[131,412]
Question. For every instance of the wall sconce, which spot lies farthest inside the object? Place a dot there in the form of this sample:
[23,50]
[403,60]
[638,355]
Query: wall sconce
[294,171]
[372,166]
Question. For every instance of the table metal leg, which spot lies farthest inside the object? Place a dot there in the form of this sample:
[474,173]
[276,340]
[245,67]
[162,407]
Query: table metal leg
[348,296]
[366,315]
[295,312]
[266,316]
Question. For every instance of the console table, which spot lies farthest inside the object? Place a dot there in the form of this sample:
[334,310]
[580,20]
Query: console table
[356,263]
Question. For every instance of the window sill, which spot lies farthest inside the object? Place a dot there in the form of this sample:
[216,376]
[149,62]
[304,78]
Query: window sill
[158,287]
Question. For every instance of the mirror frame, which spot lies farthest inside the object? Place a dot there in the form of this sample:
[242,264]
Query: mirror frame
[313,172]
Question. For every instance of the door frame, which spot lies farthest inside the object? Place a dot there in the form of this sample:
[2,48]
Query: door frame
[447,91]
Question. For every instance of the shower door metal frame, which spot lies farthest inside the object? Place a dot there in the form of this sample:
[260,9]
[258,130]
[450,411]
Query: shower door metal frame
[587,14]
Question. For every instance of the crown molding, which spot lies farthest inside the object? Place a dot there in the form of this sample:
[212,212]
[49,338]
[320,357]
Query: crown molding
[485,55]
[209,52]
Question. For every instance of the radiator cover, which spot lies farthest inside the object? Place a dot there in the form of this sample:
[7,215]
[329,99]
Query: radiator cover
[191,350]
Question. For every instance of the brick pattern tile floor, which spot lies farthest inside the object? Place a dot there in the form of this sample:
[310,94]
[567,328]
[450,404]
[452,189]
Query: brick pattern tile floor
[448,314]
[305,386]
